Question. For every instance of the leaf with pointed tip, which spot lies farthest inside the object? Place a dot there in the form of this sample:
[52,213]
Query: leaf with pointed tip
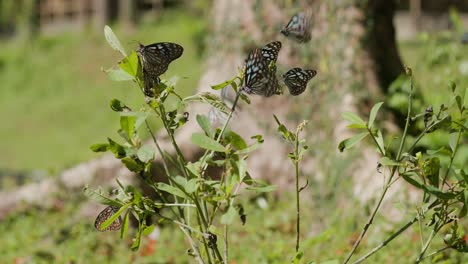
[113,40]
[373,113]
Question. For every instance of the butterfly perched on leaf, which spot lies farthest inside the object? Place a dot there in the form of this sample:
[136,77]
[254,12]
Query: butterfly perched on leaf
[298,28]
[260,70]
[105,214]
[156,59]
[296,80]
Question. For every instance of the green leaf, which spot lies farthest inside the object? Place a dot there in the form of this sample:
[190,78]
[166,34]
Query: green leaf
[288,135]
[210,99]
[459,101]
[131,64]
[125,224]
[438,193]
[350,142]
[148,230]
[98,197]
[453,141]
[118,74]
[204,122]
[242,166]
[127,124]
[111,219]
[229,216]
[298,257]
[116,148]
[357,126]
[373,113]
[464,209]
[261,188]
[222,85]
[113,40]
[430,168]
[194,168]
[248,149]
[132,165]
[235,140]
[380,141]
[192,186]
[99,147]
[171,190]
[205,142]
[117,105]
[353,118]
[136,242]
[145,153]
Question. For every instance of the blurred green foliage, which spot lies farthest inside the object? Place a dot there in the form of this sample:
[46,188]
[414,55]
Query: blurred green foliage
[54,96]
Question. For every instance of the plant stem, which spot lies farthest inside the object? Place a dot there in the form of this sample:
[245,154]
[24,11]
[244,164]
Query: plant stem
[386,241]
[397,233]
[194,246]
[387,186]
[226,244]
[452,157]
[166,169]
[436,252]
[298,210]
[426,246]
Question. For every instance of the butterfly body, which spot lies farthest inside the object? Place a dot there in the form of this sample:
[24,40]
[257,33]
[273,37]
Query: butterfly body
[156,59]
[298,28]
[296,80]
[105,214]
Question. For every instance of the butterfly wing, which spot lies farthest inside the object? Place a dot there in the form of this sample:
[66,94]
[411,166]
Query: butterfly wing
[298,28]
[156,57]
[106,214]
[257,74]
[296,80]
[270,51]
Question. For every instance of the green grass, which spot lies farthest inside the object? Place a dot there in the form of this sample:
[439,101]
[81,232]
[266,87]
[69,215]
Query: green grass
[436,60]
[54,97]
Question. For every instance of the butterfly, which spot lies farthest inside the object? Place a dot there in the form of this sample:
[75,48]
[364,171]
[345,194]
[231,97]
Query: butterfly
[296,79]
[105,214]
[259,78]
[298,28]
[270,51]
[156,59]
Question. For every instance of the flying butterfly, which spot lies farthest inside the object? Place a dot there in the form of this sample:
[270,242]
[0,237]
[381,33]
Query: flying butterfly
[259,79]
[105,214]
[296,79]
[270,52]
[298,28]
[156,59]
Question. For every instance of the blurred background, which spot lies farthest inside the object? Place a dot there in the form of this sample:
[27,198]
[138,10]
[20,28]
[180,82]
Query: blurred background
[54,103]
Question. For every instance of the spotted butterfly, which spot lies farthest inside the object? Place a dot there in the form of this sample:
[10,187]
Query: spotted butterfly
[105,214]
[156,59]
[296,80]
[298,28]
[270,51]
[259,79]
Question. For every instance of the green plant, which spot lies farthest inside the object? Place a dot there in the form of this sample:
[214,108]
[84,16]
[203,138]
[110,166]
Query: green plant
[297,154]
[444,185]
[187,196]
